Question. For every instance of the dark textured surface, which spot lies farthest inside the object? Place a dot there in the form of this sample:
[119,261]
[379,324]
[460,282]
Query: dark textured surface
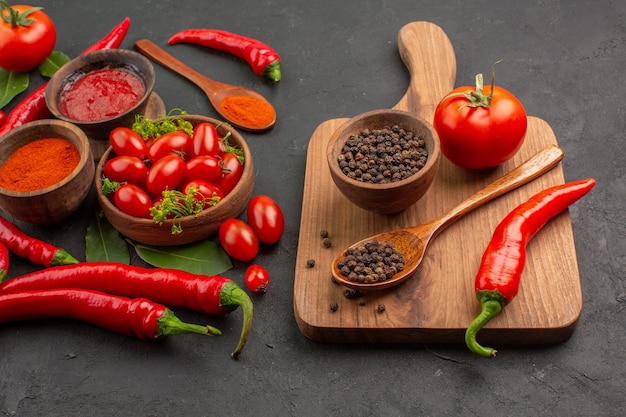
[564,60]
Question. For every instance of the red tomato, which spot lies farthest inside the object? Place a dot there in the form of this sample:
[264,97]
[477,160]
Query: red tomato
[177,142]
[238,240]
[166,173]
[257,278]
[232,171]
[125,169]
[132,200]
[480,137]
[3,117]
[204,190]
[23,45]
[127,142]
[204,167]
[266,218]
[206,141]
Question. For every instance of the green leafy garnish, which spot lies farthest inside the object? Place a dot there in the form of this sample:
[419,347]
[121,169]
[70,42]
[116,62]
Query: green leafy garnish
[103,243]
[11,84]
[175,205]
[108,186]
[152,129]
[54,61]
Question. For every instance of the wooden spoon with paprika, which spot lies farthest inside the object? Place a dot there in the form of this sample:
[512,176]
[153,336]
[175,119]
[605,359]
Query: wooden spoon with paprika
[241,107]
[411,242]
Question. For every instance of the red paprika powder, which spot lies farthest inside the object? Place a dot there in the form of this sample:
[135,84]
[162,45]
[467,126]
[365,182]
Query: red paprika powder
[249,111]
[39,164]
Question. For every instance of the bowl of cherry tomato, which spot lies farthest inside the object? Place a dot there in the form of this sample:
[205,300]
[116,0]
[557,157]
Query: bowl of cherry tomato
[178,188]
[384,161]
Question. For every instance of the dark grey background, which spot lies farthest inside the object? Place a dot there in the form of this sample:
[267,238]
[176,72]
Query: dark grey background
[565,60]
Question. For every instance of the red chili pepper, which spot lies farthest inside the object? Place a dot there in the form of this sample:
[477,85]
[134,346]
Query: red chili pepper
[263,59]
[137,317]
[498,277]
[34,107]
[35,250]
[214,295]
[4,261]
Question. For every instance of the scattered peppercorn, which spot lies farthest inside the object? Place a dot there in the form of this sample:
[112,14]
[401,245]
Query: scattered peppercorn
[362,301]
[350,293]
[327,243]
[310,263]
[333,279]
[371,262]
[381,308]
[324,234]
[382,156]
[334,306]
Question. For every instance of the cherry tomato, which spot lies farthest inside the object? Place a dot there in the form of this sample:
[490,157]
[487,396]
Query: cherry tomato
[127,142]
[257,278]
[125,169]
[206,141]
[232,171]
[480,137]
[204,191]
[132,200]
[266,218]
[178,142]
[204,167]
[3,117]
[166,173]
[27,38]
[238,240]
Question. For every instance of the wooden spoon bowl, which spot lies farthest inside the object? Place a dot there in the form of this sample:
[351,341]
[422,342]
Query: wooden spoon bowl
[412,242]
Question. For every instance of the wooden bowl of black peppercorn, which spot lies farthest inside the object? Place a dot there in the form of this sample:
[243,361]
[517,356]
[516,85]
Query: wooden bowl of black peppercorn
[384,160]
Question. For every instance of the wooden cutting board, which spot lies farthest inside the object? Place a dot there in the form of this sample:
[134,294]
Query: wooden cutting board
[438,302]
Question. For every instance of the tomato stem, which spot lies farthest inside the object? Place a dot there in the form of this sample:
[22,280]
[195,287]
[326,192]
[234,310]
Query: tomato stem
[14,17]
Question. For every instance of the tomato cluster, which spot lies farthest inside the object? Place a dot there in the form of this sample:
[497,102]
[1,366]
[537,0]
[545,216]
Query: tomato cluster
[201,166]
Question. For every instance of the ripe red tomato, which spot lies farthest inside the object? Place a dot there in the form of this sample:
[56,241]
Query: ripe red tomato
[257,278]
[126,141]
[125,169]
[232,172]
[166,173]
[204,191]
[132,200]
[475,137]
[266,218]
[238,240]
[25,45]
[206,141]
[3,117]
[204,167]
[178,142]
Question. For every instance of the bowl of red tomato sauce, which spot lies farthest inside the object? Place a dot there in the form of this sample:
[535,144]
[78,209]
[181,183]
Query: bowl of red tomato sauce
[145,206]
[100,91]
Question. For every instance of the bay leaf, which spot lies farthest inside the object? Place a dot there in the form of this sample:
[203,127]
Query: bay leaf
[103,243]
[204,257]
[55,61]
[11,84]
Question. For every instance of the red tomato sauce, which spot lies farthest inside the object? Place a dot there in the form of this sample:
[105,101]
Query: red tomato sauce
[100,95]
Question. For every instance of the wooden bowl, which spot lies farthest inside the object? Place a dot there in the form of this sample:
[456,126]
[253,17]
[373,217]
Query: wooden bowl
[393,197]
[55,203]
[194,228]
[76,69]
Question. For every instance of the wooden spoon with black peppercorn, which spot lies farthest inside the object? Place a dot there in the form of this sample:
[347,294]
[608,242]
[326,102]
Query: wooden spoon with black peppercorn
[411,242]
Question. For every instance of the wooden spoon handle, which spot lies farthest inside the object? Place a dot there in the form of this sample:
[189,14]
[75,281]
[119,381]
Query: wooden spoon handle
[540,163]
[156,53]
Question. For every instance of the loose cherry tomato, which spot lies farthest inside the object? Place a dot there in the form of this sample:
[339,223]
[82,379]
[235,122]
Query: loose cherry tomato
[132,200]
[266,218]
[232,172]
[478,128]
[27,37]
[206,141]
[3,117]
[178,142]
[238,240]
[166,173]
[204,167]
[125,169]
[204,191]
[127,142]
[257,278]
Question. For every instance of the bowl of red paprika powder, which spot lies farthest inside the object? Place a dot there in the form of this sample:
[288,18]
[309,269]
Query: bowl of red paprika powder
[100,91]
[46,171]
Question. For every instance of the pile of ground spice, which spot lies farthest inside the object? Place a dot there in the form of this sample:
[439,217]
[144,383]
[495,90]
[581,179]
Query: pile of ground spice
[248,111]
[39,164]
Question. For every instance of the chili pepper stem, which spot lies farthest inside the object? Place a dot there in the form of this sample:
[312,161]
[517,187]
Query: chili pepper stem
[232,295]
[272,71]
[169,325]
[490,308]
[62,257]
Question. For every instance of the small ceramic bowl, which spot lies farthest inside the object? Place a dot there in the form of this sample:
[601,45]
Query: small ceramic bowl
[71,74]
[391,197]
[54,203]
[194,228]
